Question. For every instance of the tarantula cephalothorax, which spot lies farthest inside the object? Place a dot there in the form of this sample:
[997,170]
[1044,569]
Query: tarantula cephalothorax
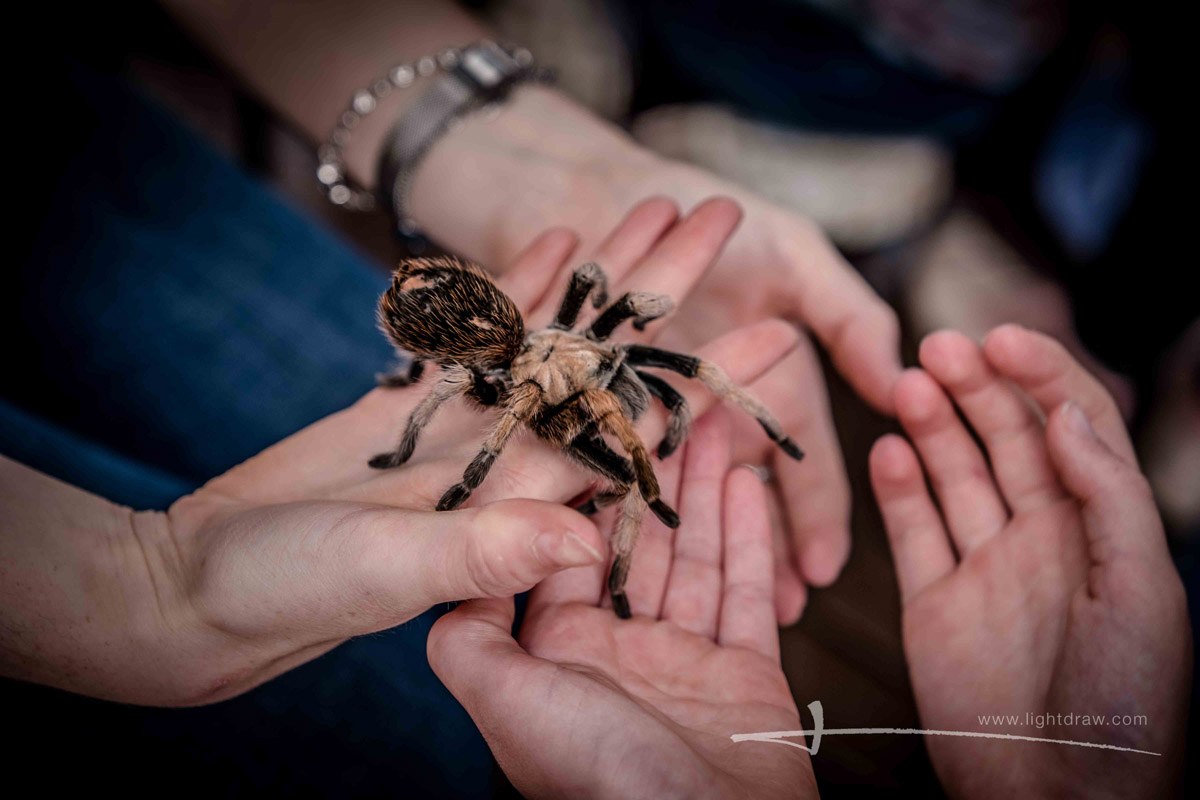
[569,388]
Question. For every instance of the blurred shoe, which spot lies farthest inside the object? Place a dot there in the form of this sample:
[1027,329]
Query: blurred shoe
[863,191]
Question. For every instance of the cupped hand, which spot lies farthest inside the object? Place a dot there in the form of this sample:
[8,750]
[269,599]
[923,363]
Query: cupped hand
[588,705]
[303,546]
[1044,589]
[780,265]
[777,265]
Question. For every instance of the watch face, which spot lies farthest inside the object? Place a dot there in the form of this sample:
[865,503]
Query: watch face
[486,65]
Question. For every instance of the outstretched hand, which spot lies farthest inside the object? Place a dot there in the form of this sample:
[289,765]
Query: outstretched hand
[781,265]
[587,705]
[1044,589]
[778,265]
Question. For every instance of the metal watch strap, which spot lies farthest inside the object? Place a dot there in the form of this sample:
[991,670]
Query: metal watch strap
[483,75]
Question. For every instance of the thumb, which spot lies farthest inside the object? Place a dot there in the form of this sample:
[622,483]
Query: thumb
[500,549]
[1119,515]
[472,647]
[507,692]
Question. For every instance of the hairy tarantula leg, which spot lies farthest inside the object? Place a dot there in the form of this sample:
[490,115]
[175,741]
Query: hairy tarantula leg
[594,454]
[586,279]
[605,408]
[679,414]
[598,456]
[643,307]
[454,382]
[640,355]
[483,391]
[401,376]
[719,383]
[519,406]
[601,500]
[630,390]
[625,536]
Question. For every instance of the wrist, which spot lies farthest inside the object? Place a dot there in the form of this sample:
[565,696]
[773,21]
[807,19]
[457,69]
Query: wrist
[190,646]
[166,639]
[91,607]
[488,187]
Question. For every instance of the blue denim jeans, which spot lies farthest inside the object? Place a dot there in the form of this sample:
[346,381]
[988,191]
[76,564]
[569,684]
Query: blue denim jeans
[180,317]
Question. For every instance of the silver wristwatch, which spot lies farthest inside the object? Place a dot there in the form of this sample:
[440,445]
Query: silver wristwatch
[484,75]
[464,79]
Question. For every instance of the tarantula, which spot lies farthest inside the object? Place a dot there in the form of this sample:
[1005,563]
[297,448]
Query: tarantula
[570,388]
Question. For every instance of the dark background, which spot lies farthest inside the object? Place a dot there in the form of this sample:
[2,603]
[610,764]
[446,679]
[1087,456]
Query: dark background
[1131,301]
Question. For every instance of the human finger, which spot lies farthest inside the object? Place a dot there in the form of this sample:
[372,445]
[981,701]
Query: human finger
[860,331]
[920,546]
[693,596]
[1120,518]
[815,490]
[791,593]
[634,237]
[680,259]
[747,617]
[497,550]
[961,479]
[534,268]
[1009,428]
[1051,376]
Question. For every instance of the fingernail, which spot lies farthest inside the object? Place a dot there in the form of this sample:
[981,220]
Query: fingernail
[566,549]
[820,562]
[1077,421]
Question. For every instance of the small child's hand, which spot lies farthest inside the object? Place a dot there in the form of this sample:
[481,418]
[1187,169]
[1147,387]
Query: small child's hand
[1044,588]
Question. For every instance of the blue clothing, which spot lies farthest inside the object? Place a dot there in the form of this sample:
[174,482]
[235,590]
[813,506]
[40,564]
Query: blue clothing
[178,317]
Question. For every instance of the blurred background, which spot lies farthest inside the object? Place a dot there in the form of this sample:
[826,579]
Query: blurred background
[979,161]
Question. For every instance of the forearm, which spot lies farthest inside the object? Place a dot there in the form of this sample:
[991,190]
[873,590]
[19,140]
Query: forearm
[485,188]
[306,59]
[85,590]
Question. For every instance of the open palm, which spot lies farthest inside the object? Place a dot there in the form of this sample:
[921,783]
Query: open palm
[1061,600]
[780,264]
[590,705]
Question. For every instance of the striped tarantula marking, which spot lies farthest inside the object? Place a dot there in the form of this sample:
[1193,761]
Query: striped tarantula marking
[573,389]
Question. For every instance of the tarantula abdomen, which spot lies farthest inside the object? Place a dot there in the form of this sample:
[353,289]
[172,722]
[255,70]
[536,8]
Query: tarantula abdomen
[447,310]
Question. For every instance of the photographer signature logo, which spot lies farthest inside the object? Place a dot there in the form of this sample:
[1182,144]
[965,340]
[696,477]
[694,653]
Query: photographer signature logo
[819,730]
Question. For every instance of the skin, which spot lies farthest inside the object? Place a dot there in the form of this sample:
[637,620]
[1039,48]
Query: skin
[486,188]
[586,705]
[1045,585]
[778,265]
[303,546]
